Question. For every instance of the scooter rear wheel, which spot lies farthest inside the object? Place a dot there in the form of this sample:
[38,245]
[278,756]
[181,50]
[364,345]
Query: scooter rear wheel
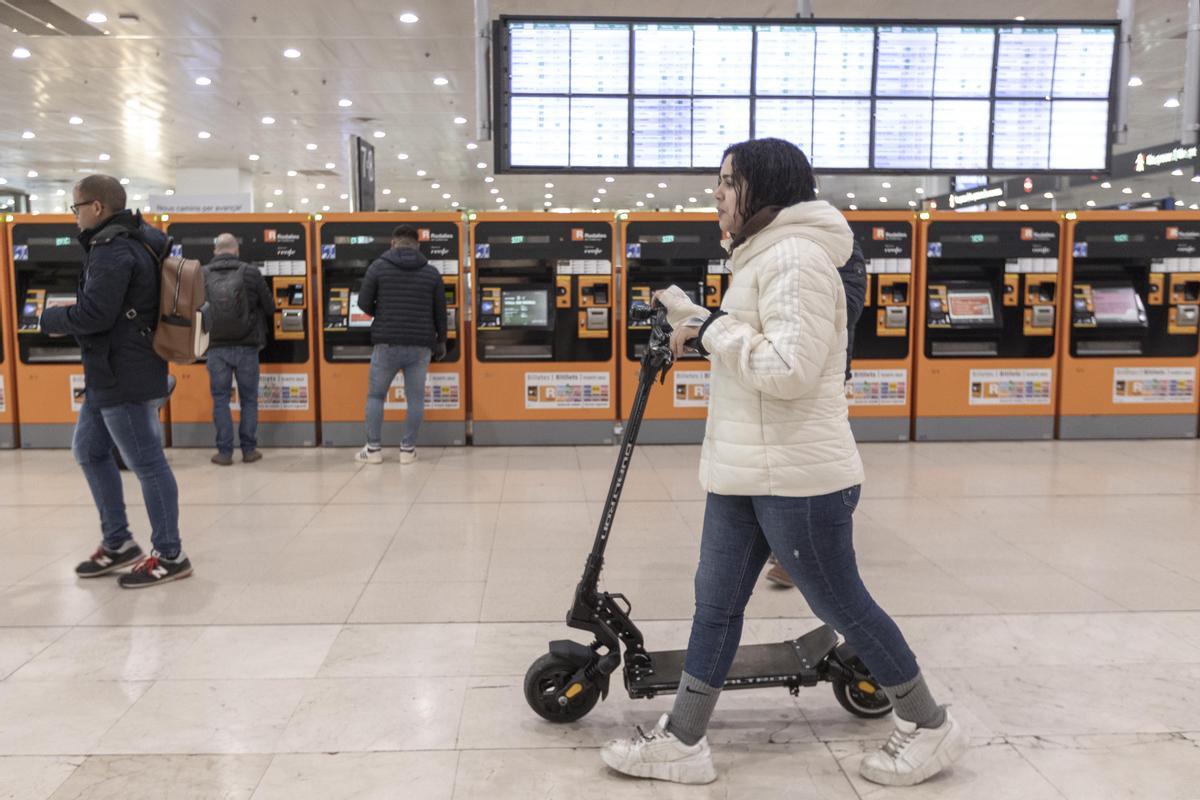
[544,684]
[855,698]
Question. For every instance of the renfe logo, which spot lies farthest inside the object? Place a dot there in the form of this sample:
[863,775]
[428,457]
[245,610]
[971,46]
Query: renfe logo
[423,234]
[576,234]
[270,236]
[878,234]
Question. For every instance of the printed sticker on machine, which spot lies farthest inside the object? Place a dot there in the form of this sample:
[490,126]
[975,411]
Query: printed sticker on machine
[558,390]
[691,388]
[76,385]
[277,392]
[1154,384]
[442,392]
[1010,387]
[3,407]
[877,387]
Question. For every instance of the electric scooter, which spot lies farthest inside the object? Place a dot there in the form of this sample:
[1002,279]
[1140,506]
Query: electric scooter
[567,682]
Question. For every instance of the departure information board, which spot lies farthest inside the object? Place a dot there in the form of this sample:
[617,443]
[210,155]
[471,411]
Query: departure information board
[669,95]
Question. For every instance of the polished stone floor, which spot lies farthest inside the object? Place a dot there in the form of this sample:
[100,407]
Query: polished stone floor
[362,631]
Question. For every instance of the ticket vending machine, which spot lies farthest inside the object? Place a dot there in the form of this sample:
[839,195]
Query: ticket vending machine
[880,389]
[346,245]
[8,400]
[543,362]
[1130,343]
[986,366]
[663,250]
[287,410]
[46,262]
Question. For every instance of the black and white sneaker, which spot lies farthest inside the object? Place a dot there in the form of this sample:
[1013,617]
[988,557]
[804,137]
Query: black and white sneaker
[155,570]
[104,561]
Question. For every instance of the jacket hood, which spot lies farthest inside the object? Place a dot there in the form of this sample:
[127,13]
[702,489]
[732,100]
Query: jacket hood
[404,258]
[817,221]
[130,221]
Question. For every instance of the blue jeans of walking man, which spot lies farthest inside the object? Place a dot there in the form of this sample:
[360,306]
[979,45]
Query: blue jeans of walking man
[386,361]
[136,431]
[225,364]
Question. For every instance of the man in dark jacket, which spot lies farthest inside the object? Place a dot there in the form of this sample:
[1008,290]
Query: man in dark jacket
[407,297]
[240,304]
[126,381]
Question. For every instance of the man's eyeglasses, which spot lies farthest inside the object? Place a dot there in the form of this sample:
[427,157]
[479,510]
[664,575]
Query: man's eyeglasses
[76,206]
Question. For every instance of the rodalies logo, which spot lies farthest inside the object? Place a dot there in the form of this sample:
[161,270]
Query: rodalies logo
[272,236]
[580,235]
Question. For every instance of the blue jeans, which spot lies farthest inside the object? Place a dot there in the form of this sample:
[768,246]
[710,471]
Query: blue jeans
[813,539]
[135,430]
[386,361]
[225,364]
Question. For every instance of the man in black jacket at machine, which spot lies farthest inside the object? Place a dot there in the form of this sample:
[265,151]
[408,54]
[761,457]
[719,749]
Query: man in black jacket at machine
[125,380]
[407,297]
[240,304]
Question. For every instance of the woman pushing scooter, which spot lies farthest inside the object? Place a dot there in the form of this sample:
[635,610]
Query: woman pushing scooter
[781,469]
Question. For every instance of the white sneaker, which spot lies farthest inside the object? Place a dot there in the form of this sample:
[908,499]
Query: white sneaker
[407,456]
[912,755]
[659,755]
[369,456]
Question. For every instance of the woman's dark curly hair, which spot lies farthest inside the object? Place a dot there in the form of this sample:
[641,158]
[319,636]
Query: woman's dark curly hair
[770,172]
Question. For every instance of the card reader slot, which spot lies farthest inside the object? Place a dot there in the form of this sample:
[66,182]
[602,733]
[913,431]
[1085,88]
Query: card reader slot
[966,349]
[1109,347]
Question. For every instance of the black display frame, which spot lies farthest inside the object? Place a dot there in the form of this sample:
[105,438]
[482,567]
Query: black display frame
[502,94]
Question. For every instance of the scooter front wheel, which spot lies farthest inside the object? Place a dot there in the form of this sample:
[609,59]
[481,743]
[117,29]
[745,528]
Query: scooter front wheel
[862,698]
[548,693]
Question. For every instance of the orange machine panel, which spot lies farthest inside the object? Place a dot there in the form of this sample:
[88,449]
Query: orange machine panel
[880,389]
[278,245]
[543,371]
[986,366]
[8,357]
[344,245]
[1130,342]
[662,249]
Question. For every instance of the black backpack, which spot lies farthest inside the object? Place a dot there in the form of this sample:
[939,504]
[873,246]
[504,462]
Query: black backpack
[228,303]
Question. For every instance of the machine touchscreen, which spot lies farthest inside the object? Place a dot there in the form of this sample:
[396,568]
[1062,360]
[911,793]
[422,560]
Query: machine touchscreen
[1118,305]
[358,319]
[525,308]
[970,307]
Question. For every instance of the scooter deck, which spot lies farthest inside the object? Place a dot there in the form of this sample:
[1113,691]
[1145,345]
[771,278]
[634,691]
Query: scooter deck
[796,662]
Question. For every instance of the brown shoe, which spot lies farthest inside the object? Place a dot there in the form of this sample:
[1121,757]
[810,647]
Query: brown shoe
[251,457]
[778,576]
[224,459]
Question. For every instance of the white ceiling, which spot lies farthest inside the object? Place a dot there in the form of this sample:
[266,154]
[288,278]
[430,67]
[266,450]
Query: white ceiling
[135,90]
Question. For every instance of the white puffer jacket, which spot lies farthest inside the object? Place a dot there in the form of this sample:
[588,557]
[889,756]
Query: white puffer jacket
[777,418]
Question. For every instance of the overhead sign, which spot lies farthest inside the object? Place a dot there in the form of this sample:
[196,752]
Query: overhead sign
[201,203]
[362,157]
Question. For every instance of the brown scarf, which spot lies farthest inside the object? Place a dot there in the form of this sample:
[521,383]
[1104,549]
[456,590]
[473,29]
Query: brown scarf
[754,225]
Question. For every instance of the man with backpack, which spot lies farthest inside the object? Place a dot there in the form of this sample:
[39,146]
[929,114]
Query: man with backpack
[125,380]
[239,306]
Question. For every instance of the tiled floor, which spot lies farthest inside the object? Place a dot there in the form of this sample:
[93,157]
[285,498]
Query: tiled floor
[357,631]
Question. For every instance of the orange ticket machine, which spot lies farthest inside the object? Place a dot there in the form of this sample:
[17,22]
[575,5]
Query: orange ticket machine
[347,244]
[287,410]
[880,388]
[663,250]
[47,260]
[543,364]
[1129,348]
[8,400]
[986,366]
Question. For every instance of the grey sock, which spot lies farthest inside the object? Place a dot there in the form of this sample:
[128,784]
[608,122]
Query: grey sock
[913,703]
[694,706]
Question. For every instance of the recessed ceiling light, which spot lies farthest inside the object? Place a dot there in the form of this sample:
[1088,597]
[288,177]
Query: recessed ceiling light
[460,120]
[1019,19]
[402,156]
[330,165]
[268,120]
[1048,195]
[344,196]
[408,18]
[278,192]
[481,165]
[203,81]
[708,190]
[414,208]
[662,186]
[446,195]
[472,146]
[499,199]
[1002,203]
[640,204]
[345,102]
[28,135]
[253,156]
[421,173]
[324,208]
[270,204]
[493,190]
[1127,190]
[75,121]
[1194,206]
[435,185]
[547,204]
[440,81]
[609,179]
[379,134]
[649,195]
[321,186]
[886,185]
[502,208]
[204,135]
[3,181]
[124,181]
[849,195]
[292,173]
[1178,173]
[401,199]
[549,185]
[1106,185]
[385,191]
[21,52]
[33,197]
[291,52]
[883,199]
[310,146]
[1196,179]
[1024,207]
[489,179]
[548,196]
[1135,81]
[1091,204]
[60,193]
[595,199]
[455,204]
[97,18]
[1171,102]
[33,173]
[1146,195]
[691,199]
[853,207]
[304,201]
[104,157]
[920,190]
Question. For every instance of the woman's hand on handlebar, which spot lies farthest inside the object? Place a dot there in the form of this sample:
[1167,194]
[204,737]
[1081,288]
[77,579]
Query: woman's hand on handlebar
[680,308]
[682,339]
